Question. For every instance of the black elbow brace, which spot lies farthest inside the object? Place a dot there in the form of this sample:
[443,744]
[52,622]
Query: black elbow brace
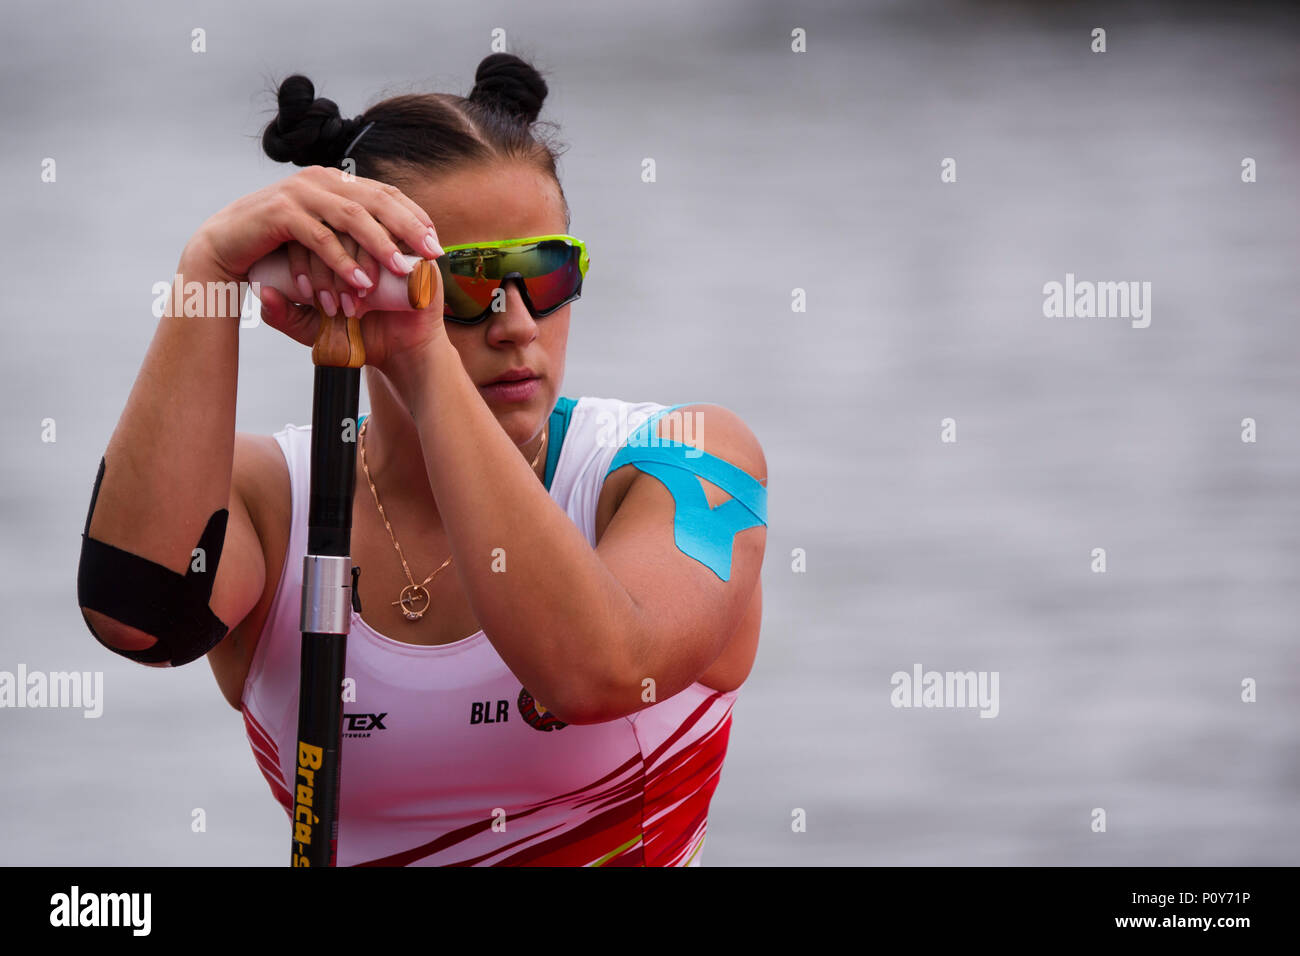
[171,607]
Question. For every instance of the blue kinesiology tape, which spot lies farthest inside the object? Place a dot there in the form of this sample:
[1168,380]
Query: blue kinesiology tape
[703,533]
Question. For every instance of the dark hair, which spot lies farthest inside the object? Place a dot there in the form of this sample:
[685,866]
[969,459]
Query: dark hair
[416,134]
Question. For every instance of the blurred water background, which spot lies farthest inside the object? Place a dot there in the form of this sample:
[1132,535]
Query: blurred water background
[776,171]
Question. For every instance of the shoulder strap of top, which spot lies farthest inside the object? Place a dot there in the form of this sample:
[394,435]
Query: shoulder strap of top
[559,425]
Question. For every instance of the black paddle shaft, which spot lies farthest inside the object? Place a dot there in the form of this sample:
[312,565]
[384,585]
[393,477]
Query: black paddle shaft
[327,601]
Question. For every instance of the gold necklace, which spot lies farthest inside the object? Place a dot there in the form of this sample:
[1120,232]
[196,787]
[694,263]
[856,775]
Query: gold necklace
[413,593]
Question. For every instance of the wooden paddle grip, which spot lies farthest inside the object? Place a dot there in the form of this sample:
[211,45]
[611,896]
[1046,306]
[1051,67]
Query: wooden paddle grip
[422,283]
[338,343]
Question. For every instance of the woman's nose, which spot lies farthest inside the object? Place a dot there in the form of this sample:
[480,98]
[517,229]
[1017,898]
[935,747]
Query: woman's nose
[514,321]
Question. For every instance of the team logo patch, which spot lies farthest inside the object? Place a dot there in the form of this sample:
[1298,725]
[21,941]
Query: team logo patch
[535,713]
[360,725]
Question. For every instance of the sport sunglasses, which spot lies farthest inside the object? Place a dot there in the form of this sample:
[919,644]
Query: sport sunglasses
[550,270]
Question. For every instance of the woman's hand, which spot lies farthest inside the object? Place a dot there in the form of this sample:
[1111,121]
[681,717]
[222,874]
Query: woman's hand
[314,208]
[396,343]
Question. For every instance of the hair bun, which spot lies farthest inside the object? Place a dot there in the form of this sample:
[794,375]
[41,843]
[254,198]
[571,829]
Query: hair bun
[308,131]
[508,83]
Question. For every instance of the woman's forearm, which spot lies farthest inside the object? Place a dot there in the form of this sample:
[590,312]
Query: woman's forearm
[561,621]
[168,463]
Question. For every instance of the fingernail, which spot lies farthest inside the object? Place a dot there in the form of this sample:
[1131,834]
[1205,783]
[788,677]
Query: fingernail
[304,286]
[401,265]
[327,302]
[361,293]
[431,243]
[363,280]
[349,306]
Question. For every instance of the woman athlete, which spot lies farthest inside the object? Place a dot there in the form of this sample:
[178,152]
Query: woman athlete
[556,605]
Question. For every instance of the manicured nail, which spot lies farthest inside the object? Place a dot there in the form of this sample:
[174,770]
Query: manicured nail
[349,306]
[361,293]
[363,280]
[431,243]
[327,302]
[400,265]
[304,287]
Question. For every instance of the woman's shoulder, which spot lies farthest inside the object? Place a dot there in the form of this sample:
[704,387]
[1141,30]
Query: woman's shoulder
[626,416]
[610,419]
[714,429]
[262,478]
[259,462]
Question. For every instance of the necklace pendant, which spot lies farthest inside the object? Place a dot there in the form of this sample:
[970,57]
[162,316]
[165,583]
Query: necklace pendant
[414,601]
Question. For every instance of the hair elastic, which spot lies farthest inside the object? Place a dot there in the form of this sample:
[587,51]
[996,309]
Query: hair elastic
[357,140]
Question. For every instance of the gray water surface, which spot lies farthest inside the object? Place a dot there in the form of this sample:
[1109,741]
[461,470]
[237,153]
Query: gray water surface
[776,171]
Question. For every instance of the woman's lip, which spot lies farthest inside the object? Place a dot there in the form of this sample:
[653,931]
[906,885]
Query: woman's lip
[506,381]
[515,391]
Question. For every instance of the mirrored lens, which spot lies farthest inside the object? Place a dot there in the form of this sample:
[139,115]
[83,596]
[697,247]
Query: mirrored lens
[549,270]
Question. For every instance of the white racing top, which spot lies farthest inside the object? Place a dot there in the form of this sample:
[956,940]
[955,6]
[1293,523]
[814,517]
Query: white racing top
[447,760]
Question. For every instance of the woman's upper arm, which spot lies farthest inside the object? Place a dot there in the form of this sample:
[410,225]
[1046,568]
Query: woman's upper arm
[669,557]
[246,575]
[261,477]
[241,575]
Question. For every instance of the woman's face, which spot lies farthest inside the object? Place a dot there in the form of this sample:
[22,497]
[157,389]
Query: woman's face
[509,201]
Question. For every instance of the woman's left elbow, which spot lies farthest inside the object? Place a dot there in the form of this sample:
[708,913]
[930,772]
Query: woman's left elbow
[588,712]
[600,699]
